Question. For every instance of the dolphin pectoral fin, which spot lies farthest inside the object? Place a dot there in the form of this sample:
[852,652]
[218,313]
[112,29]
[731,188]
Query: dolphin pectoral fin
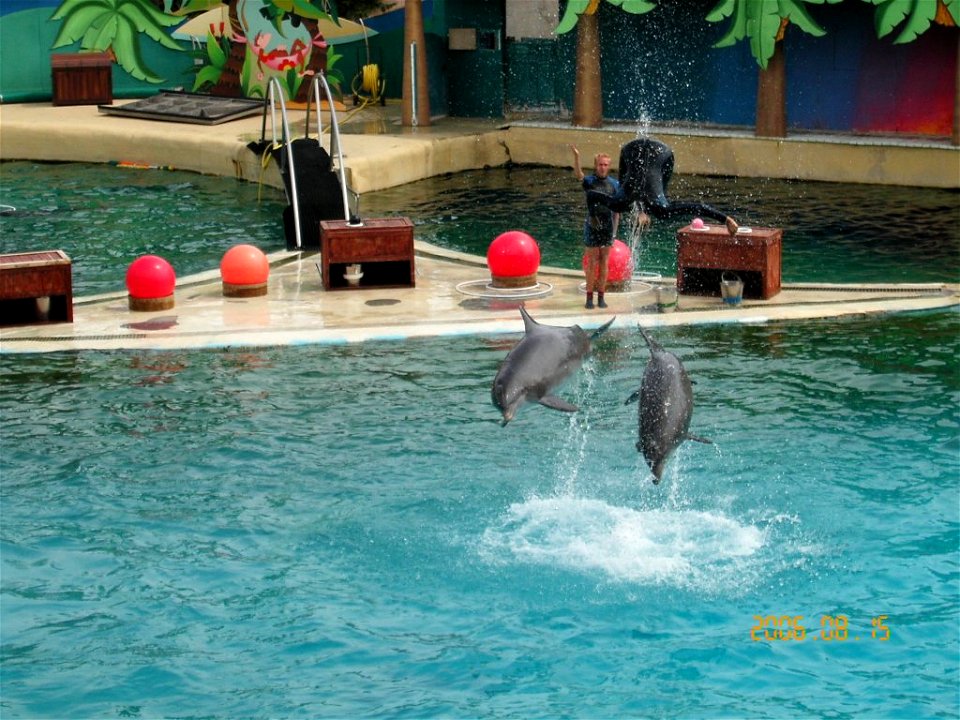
[599,331]
[633,398]
[552,401]
[697,438]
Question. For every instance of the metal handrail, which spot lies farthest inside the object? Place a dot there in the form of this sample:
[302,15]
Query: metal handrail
[275,98]
[314,96]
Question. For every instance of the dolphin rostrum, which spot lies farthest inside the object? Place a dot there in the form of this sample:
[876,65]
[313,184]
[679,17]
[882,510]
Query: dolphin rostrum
[666,405]
[540,362]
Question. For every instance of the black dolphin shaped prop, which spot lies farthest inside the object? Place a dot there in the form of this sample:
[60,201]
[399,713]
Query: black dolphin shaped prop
[540,362]
[645,169]
[666,406]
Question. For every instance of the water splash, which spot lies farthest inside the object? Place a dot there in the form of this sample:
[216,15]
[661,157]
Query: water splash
[573,457]
[681,548]
[644,122]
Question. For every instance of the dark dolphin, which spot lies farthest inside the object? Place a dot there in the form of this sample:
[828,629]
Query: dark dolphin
[540,362]
[666,405]
[645,169]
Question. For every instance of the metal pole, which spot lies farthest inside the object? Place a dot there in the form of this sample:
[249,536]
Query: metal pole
[413,83]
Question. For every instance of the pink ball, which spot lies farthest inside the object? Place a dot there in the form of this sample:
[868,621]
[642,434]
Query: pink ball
[244,265]
[513,254]
[697,224]
[150,276]
[619,263]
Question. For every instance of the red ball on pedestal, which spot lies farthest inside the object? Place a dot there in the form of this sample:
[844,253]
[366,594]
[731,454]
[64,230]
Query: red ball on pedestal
[244,270]
[619,266]
[513,258]
[619,263]
[150,283]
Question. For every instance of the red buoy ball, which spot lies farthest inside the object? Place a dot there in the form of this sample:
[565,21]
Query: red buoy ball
[513,256]
[150,284]
[619,263]
[244,265]
[149,277]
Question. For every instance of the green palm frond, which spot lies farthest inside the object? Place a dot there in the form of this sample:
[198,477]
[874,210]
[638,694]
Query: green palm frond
[760,22]
[576,8]
[218,53]
[277,10]
[635,7]
[116,25]
[953,7]
[918,15]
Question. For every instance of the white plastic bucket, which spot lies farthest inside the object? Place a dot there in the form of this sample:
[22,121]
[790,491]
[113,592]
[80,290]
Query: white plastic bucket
[667,299]
[731,288]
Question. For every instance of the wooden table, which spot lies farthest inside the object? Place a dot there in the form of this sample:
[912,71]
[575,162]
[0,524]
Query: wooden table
[382,246]
[31,280]
[754,255]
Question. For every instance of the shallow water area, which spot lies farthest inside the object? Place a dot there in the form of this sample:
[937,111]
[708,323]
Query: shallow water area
[104,217]
[832,232]
[344,531]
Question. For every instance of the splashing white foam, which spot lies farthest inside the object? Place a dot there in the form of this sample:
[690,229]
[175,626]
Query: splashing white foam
[683,548]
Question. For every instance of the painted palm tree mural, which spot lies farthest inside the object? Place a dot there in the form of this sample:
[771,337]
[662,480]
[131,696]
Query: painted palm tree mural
[763,24]
[116,26]
[587,93]
[265,38]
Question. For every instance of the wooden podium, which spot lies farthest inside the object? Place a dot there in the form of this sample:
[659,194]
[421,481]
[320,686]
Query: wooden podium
[82,78]
[383,247]
[754,254]
[36,287]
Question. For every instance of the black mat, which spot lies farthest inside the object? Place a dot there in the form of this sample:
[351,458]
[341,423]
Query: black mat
[184,107]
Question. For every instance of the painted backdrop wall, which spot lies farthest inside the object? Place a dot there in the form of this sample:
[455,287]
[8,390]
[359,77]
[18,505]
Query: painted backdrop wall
[659,66]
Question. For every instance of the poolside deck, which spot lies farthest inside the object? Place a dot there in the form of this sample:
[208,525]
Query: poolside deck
[381,154]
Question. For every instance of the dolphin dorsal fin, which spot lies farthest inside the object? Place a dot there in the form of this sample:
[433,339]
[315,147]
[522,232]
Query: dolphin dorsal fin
[529,323]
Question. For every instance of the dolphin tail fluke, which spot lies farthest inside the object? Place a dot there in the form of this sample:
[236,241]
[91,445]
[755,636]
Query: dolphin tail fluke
[555,403]
[600,330]
[697,438]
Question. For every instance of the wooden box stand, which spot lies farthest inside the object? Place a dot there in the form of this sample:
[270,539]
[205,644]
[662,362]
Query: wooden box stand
[754,255]
[35,287]
[382,246]
[82,79]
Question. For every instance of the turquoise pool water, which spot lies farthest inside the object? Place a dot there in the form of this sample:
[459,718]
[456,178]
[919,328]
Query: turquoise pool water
[832,232]
[106,217]
[349,532]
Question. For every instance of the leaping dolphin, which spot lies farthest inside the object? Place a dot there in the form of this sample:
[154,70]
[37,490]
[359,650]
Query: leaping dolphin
[540,362]
[666,406]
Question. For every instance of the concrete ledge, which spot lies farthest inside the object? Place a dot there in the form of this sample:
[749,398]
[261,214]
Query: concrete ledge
[846,159]
[391,156]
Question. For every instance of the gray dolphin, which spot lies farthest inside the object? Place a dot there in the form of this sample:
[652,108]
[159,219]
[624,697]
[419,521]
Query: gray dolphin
[540,362]
[666,405]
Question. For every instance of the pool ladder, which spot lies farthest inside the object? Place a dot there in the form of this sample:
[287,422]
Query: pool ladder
[275,101]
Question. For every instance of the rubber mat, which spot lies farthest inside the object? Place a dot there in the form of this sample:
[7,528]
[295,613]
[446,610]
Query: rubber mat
[184,107]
